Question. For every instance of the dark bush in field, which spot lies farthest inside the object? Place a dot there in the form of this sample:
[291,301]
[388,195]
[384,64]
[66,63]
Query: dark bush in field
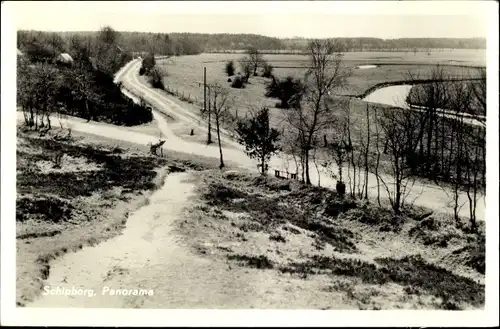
[238,82]
[288,90]
[142,71]
[267,70]
[229,69]
[156,78]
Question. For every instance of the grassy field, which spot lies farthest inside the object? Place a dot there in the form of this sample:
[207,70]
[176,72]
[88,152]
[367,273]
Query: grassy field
[82,198]
[360,252]
[185,74]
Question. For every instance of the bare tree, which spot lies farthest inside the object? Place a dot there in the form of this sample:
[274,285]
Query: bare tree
[46,83]
[338,149]
[255,58]
[246,67]
[26,93]
[432,97]
[377,161]
[468,151]
[366,149]
[221,105]
[316,111]
[400,128]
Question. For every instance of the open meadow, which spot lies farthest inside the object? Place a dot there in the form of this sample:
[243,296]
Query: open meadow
[184,75]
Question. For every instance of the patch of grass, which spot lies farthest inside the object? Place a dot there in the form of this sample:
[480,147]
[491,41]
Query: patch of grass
[260,262]
[473,254]
[433,231]
[44,208]
[382,218]
[269,212]
[434,280]
[411,271]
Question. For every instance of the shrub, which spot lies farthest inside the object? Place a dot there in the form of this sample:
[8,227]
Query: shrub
[267,70]
[288,90]
[238,82]
[142,70]
[148,62]
[156,78]
[230,68]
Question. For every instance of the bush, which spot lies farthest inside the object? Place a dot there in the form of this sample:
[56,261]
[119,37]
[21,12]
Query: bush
[288,90]
[142,70]
[148,62]
[238,82]
[230,68]
[156,78]
[267,70]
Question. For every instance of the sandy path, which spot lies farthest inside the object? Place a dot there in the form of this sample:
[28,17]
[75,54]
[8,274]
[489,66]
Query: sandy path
[149,255]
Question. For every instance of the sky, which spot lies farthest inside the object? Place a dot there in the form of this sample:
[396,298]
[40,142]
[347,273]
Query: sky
[310,19]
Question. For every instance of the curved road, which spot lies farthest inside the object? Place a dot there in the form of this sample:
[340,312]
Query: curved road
[435,198]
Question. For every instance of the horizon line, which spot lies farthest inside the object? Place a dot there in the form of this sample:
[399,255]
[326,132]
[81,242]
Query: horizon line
[245,33]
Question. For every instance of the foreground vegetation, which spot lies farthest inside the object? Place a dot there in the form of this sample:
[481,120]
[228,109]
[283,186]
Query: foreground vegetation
[76,191]
[375,258]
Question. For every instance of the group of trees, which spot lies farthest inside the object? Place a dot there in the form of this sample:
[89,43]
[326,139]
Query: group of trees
[174,44]
[248,65]
[84,88]
[155,73]
[395,145]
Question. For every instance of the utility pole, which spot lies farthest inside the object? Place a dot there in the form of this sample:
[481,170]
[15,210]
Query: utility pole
[209,137]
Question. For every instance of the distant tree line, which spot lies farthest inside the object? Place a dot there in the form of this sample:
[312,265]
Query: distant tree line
[401,44]
[176,44]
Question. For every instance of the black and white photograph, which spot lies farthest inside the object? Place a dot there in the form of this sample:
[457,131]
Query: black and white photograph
[249,156]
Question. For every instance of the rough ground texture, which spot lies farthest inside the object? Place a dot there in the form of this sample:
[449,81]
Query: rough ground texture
[78,192]
[359,254]
[211,239]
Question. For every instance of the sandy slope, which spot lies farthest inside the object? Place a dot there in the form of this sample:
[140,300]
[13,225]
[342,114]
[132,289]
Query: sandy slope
[148,256]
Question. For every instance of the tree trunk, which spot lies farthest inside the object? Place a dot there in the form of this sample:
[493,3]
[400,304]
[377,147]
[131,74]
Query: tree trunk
[367,149]
[209,136]
[87,109]
[429,143]
[220,145]
[306,160]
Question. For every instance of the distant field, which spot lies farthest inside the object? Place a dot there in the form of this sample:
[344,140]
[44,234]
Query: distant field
[185,74]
